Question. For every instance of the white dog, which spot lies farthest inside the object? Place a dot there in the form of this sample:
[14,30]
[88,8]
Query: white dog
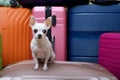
[40,45]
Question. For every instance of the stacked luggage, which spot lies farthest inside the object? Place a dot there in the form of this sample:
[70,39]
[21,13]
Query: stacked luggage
[86,24]
[76,41]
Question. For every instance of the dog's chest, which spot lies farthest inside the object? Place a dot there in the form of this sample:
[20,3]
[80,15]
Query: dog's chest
[42,51]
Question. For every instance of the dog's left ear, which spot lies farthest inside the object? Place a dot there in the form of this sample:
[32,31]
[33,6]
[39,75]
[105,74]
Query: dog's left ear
[32,21]
[48,22]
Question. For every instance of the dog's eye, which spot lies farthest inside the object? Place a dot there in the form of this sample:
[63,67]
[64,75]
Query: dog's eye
[35,30]
[44,31]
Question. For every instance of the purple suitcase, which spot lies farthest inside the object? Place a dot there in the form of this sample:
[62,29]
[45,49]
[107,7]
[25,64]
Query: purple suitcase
[109,52]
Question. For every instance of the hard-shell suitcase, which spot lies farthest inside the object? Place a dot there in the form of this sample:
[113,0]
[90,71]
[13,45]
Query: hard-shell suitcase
[58,31]
[27,3]
[86,23]
[15,34]
[56,71]
[70,3]
[109,52]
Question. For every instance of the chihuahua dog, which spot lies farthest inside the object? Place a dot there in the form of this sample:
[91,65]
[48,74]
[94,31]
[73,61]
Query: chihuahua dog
[40,45]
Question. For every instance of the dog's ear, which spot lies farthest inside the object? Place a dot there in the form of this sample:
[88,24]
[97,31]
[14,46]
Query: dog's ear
[32,21]
[48,22]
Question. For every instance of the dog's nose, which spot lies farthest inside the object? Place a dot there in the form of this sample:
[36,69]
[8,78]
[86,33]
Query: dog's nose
[39,36]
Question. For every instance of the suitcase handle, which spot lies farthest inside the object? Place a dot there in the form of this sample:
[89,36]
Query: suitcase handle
[53,42]
[53,20]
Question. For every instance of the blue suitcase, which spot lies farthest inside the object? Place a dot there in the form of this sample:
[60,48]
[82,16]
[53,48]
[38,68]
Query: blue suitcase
[86,24]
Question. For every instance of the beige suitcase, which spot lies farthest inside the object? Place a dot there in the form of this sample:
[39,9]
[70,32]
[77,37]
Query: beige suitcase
[56,71]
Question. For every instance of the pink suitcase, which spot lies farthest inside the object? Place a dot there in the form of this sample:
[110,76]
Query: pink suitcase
[109,52]
[58,31]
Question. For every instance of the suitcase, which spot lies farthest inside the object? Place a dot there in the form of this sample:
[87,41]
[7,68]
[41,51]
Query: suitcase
[71,3]
[109,52]
[15,34]
[59,70]
[86,23]
[58,30]
[105,2]
[27,3]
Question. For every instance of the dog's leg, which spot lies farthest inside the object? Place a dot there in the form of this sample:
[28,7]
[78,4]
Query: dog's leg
[45,64]
[52,57]
[36,61]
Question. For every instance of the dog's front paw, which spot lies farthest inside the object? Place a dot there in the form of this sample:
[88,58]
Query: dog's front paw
[45,68]
[36,67]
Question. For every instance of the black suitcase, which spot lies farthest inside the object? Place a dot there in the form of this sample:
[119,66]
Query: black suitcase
[105,2]
[70,3]
[32,3]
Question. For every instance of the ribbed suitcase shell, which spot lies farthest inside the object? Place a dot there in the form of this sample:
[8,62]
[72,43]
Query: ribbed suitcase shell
[56,71]
[86,23]
[58,31]
[15,33]
[109,52]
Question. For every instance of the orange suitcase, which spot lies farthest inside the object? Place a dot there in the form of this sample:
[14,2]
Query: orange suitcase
[15,33]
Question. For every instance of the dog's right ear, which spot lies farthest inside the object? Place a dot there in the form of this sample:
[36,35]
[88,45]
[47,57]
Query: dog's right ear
[32,21]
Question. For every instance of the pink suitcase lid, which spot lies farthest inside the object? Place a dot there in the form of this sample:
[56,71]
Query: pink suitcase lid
[58,70]
[109,52]
[59,31]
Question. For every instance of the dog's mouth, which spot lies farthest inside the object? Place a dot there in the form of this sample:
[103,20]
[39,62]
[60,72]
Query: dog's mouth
[39,36]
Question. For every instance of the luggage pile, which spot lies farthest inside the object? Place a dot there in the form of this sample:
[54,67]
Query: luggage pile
[77,36]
